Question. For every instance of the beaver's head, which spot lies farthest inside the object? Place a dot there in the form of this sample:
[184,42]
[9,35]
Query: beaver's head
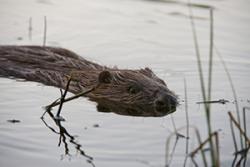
[133,92]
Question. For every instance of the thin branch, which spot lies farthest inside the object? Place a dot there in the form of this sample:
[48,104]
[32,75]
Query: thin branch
[238,126]
[202,145]
[63,98]
[221,101]
[64,135]
[233,136]
[217,149]
[72,97]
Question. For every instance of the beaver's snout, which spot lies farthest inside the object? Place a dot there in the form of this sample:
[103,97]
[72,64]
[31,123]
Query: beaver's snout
[165,103]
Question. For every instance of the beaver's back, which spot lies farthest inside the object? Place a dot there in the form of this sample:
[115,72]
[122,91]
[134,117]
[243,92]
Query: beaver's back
[48,65]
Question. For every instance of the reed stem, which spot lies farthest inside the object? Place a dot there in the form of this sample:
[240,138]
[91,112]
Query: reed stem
[210,56]
[45,31]
[187,121]
[206,106]
[233,90]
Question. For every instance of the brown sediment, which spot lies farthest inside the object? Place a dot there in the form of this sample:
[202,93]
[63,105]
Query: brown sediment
[127,92]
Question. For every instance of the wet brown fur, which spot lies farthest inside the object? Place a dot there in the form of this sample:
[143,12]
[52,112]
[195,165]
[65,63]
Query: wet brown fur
[51,66]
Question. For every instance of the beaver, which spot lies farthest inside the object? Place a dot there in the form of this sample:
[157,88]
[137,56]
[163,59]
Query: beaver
[122,91]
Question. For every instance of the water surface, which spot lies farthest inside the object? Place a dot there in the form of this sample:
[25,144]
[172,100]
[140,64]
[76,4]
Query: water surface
[128,34]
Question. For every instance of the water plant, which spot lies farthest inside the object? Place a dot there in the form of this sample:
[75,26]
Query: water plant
[212,138]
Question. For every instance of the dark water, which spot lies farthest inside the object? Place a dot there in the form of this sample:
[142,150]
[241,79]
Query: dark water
[128,34]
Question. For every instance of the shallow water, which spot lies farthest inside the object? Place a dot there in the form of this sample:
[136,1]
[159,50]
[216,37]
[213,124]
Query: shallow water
[128,34]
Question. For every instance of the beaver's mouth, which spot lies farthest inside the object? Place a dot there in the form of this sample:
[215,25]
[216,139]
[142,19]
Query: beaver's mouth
[160,110]
[166,103]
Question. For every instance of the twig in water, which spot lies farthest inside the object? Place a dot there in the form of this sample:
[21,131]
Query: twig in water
[13,121]
[202,152]
[243,152]
[49,108]
[238,126]
[233,136]
[62,99]
[217,159]
[63,135]
[222,101]
[56,103]
[243,157]
[201,145]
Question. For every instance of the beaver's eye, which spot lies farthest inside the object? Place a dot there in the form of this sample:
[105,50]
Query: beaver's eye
[133,89]
[105,77]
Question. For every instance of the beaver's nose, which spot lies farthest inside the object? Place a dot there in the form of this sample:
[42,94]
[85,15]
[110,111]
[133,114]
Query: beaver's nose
[165,102]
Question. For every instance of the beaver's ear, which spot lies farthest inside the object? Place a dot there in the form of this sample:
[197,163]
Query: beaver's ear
[105,77]
[149,73]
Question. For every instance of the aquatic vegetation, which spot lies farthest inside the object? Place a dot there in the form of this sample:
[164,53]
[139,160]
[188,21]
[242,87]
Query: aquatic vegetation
[213,136]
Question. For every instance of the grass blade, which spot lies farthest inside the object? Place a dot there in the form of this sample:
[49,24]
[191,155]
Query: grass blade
[187,122]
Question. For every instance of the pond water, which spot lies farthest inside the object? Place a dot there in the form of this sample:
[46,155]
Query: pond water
[128,34]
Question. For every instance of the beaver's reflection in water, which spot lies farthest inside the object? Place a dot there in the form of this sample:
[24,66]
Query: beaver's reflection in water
[133,110]
[65,137]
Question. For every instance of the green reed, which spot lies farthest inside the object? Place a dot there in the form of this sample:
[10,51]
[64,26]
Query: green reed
[237,108]
[201,76]
[187,122]
[213,137]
